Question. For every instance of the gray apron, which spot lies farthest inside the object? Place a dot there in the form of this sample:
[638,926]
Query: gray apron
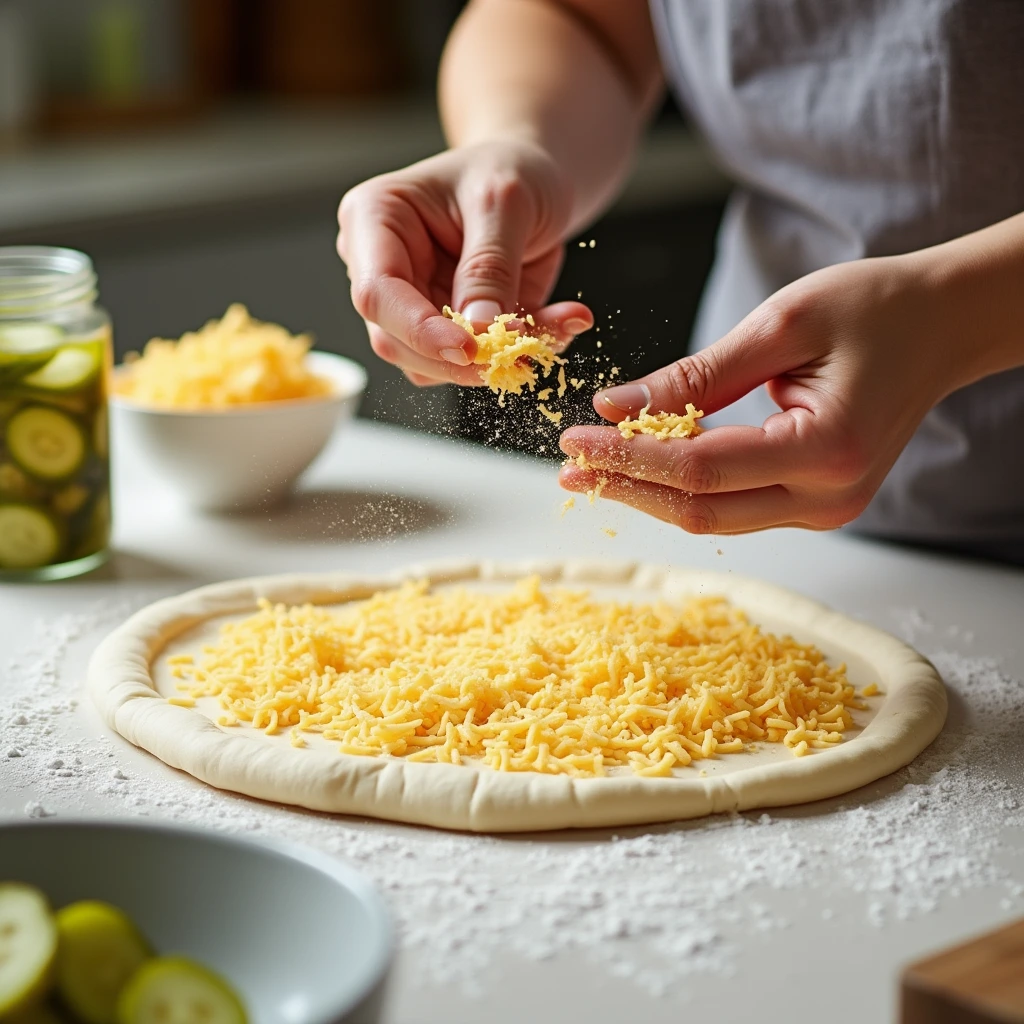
[867,128]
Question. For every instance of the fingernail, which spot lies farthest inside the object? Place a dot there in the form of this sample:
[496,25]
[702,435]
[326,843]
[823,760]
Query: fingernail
[481,311]
[456,356]
[575,326]
[627,397]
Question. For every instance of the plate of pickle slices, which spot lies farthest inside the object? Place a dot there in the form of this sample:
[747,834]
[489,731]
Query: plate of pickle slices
[54,465]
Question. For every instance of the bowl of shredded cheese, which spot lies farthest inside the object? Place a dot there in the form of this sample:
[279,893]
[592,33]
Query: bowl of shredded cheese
[232,414]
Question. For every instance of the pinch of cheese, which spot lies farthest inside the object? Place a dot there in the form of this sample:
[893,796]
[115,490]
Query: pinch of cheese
[232,361]
[662,425]
[528,679]
[509,358]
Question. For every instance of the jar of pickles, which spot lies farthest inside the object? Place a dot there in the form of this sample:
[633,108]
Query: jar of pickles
[55,357]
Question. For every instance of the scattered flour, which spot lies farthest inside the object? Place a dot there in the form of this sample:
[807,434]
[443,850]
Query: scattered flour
[653,905]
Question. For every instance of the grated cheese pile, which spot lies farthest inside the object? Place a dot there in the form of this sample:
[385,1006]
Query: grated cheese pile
[527,679]
[508,355]
[662,425]
[233,361]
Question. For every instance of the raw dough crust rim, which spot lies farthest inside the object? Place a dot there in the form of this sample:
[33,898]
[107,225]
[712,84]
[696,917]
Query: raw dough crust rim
[454,797]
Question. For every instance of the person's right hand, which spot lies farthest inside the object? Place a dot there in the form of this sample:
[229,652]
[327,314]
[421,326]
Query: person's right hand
[480,228]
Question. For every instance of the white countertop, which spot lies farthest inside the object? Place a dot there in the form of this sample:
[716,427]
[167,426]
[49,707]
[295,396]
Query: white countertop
[811,909]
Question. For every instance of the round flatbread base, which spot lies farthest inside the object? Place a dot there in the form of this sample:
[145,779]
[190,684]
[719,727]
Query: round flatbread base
[130,683]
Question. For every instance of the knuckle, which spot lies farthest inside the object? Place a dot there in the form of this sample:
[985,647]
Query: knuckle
[782,314]
[848,461]
[697,518]
[488,264]
[694,377]
[352,199]
[365,293]
[500,190]
[385,349]
[841,510]
[419,340]
[694,474]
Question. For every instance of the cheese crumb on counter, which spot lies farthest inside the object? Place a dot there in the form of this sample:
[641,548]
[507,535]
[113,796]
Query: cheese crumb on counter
[527,679]
[662,425]
[229,362]
[509,357]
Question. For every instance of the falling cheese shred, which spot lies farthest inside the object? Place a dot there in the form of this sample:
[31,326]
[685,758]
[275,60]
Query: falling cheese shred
[662,425]
[509,357]
[525,679]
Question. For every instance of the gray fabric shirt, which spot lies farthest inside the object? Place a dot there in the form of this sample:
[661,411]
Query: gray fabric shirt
[866,128]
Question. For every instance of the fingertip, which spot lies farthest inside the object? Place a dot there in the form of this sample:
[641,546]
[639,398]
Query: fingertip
[573,478]
[481,312]
[571,440]
[566,319]
[606,410]
[622,400]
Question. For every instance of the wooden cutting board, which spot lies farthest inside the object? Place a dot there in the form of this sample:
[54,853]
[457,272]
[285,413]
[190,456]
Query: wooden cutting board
[980,982]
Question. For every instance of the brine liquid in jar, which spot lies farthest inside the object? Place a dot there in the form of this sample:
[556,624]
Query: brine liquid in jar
[55,360]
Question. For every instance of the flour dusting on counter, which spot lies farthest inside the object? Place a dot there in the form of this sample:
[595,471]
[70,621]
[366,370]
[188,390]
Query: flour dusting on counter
[654,905]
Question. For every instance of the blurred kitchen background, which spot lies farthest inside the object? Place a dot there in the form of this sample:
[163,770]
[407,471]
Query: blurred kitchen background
[197,150]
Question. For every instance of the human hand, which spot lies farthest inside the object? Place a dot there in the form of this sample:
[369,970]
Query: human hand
[480,228]
[854,355]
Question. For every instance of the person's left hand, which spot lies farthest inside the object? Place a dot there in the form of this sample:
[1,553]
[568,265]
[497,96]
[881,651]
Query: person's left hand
[854,355]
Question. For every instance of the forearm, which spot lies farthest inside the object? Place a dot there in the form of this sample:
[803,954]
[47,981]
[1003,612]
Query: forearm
[978,283]
[542,71]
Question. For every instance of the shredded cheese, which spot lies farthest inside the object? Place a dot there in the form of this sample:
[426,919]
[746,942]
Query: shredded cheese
[662,425]
[527,679]
[232,361]
[508,356]
[595,492]
[548,414]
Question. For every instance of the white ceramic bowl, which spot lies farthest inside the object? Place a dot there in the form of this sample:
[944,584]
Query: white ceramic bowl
[233,459]
[303,938]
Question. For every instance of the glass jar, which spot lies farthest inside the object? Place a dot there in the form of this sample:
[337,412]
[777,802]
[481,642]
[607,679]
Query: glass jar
[55,360]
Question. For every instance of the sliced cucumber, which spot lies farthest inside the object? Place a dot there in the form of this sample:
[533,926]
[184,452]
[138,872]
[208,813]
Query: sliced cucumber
[28,946]
[45,443]
[27,339]
[69,499]
[14,484]
[174,990]
[29,537]
[70,369]
[98,950]
[26,347]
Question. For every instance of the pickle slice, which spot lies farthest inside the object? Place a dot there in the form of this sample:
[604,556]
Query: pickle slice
[23,347]
[29,536]
[15,485]
[70,369]
[45,443]
[28,945]
[175,990]
[18,340]
[98,950]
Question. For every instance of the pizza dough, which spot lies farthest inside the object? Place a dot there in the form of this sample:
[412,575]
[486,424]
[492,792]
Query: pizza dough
[130,683]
